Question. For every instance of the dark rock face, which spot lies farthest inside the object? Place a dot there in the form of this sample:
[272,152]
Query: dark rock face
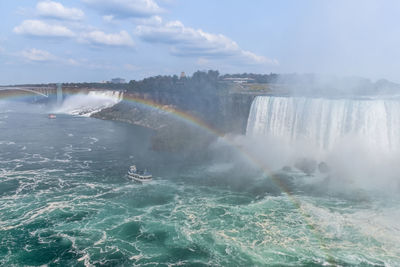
[286,169]
[171,133]
[234,110]
[224,112]
[126,112]
[169,112]
[180,137]
[308,166]
[323,167]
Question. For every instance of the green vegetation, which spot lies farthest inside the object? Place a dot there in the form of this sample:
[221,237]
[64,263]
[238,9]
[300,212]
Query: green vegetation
[211,83]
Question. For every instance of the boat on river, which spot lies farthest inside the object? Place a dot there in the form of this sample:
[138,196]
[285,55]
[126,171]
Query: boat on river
[138,175]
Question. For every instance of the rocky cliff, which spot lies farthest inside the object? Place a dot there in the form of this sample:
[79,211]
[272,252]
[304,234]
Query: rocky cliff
[224,113]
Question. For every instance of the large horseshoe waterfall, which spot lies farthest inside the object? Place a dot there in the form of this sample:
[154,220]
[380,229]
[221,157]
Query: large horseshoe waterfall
[325,122]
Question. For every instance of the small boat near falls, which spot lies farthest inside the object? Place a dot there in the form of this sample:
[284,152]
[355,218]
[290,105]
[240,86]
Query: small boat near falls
[138,175]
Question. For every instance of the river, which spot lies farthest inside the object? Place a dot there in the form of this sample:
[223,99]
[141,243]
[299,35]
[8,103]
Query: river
[65,200]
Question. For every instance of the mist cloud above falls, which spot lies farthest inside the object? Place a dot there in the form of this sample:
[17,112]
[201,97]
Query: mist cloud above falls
[353,165]
[320,85]
[345,38]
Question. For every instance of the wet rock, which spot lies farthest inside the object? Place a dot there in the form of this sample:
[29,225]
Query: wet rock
[286,169]
[323,167]
[308,166]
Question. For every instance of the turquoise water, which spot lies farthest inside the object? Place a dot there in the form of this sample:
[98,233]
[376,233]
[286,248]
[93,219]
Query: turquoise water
[65,200]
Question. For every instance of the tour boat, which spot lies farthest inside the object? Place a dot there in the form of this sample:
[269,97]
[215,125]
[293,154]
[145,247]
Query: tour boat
[52,116]
[140,176]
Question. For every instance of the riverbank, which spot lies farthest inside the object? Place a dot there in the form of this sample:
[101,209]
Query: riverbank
[171,132]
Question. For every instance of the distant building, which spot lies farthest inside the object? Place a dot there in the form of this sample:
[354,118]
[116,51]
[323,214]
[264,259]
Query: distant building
[239,80]
[118,80]
[183,75]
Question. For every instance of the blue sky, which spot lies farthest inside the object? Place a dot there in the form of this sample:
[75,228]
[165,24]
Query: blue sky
[94,40]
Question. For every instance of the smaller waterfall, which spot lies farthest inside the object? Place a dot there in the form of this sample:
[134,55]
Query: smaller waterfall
[88,104]
[59,94]
[325,122]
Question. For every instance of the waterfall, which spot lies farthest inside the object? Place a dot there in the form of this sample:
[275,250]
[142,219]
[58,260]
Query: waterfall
[325,122]
[92,102]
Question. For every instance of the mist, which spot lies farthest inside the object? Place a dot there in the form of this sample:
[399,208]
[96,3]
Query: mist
[89,103]
[344,38]
[339,146]
[335,86]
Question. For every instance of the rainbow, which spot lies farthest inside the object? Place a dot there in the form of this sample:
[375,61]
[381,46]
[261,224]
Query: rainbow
[201,125]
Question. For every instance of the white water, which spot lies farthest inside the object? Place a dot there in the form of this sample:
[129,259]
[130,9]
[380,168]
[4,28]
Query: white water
[87,104]
[325,123]
[359,139]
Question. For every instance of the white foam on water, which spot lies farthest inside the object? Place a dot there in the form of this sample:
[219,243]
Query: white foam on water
[7,143]
[374,231]
[93,140]
[102,239]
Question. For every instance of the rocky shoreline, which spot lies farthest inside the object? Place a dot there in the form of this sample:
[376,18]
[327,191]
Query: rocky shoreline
[225,112]
[127,113]
[170,133]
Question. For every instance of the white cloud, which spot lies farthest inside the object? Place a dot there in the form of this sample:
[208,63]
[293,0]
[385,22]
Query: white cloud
[189,42]
[153,20]
[71,61]
[89,64]
[37,55]
[40,28]
[113,39]
[57,10]
[125,8]
[202,61]
[131,67]
[108,18]
[34,55]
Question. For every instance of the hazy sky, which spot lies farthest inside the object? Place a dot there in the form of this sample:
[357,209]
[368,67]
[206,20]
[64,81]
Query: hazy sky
[95,40]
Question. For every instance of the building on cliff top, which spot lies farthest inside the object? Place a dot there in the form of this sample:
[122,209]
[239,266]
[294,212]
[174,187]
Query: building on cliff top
[118,80]
[238,80]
